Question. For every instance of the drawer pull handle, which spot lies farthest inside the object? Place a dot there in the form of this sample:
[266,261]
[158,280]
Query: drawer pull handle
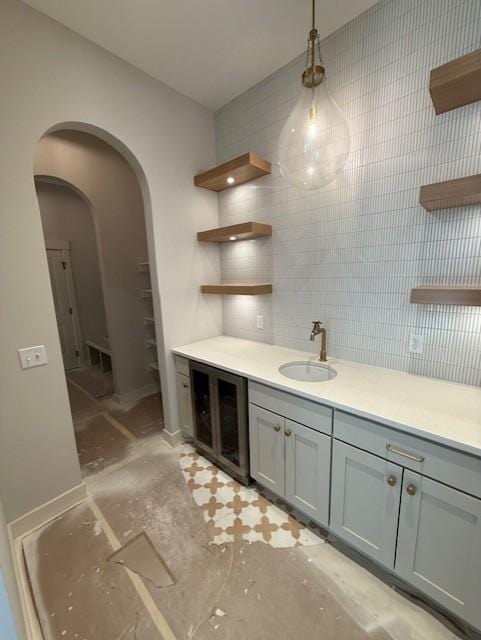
[404,454]
[277,428]
[288,432]
[411,489]
[392,481]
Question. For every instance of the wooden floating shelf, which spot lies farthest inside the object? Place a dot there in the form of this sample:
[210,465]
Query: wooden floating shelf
[154,366]
[237,289]
[151,343]
[465,296]
[456,83]
[452,193]
[243,231]
[149,320]
[242,169]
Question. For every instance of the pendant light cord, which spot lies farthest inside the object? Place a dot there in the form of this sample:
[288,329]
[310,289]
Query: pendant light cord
[313,43]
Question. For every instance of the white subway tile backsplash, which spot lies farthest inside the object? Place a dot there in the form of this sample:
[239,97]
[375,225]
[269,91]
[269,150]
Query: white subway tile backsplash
[349,254]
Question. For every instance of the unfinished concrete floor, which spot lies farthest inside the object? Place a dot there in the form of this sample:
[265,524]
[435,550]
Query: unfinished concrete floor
[234,591]
[104,429]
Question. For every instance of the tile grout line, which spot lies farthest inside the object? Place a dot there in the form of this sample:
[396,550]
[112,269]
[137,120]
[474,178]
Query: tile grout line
[157,617]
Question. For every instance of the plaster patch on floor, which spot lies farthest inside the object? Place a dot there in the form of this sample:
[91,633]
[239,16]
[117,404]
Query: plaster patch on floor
[234,512]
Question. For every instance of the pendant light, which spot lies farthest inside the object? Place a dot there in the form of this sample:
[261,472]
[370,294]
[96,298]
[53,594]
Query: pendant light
[314,143]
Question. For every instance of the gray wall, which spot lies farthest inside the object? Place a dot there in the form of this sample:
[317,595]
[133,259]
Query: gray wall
[349,254]
[66,217]
[51,76]
[113,190]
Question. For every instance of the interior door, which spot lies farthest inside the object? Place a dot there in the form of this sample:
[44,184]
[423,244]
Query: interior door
[267,448]
[63,297]
[439,544]
[308,470]
[365,497]
[230,400]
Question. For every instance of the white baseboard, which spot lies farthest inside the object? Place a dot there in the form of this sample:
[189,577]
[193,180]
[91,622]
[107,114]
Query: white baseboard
[172,439]
[136,394]
[24,525]
[46,512]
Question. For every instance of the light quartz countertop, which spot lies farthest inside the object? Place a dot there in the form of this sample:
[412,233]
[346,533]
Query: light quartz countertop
[444,412]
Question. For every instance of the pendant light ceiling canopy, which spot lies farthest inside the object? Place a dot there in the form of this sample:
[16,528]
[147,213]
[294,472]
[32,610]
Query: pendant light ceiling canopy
[314,143]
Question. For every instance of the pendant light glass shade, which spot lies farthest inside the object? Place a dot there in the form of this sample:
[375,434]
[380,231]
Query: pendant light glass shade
[315,141]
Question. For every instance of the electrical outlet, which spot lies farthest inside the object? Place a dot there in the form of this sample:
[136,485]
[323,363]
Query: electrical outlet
[32,357]
[260,322]
[416,343]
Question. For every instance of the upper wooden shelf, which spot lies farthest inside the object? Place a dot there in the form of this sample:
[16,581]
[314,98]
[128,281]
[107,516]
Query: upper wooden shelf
[452,193]
[465,296]
[237,289]
[242,169]
[243,231]
[456,83]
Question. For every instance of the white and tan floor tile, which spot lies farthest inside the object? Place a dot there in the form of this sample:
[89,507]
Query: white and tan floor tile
[234,512]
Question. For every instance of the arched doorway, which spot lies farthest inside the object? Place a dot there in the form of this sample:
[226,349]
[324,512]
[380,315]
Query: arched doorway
[93,213]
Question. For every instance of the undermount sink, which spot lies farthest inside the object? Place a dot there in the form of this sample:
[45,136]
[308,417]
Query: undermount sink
[307,371]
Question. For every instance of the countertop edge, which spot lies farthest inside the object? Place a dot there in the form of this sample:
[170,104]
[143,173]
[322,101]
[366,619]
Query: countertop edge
[382,420]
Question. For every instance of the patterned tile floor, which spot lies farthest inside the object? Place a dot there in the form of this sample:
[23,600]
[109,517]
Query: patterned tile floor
[234,512]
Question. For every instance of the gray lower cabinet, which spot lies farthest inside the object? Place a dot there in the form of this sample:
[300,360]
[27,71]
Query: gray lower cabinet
[308,470]
[365,498]
[291,460]
[439,544]
[267,456]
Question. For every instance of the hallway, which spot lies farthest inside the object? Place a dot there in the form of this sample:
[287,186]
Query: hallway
[104,429]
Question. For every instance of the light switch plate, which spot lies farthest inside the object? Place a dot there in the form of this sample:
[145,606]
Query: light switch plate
[32,356]
[416,343]
[260,323]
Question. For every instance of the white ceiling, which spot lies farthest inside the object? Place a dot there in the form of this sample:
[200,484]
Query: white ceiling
[209,50]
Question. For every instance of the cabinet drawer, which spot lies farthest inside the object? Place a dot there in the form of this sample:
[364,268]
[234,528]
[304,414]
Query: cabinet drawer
[316,416]
[449,466]
[182,365]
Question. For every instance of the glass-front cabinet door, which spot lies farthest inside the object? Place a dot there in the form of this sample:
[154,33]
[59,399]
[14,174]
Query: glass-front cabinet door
[202,401]
[230,401]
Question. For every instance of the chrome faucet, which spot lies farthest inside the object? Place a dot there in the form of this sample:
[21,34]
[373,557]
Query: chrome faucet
[317,329]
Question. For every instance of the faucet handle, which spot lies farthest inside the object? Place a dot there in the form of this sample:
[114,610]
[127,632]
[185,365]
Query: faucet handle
[316,323]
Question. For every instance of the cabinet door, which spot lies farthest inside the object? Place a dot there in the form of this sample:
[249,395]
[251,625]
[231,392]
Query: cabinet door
[366,492]
[203,409]
[439,545]
[230,402]
[308,471]
[266,433]
[185,404]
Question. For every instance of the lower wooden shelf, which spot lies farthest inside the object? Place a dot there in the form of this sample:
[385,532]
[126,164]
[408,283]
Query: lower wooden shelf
[460,192]
[237,289]
[464,296]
